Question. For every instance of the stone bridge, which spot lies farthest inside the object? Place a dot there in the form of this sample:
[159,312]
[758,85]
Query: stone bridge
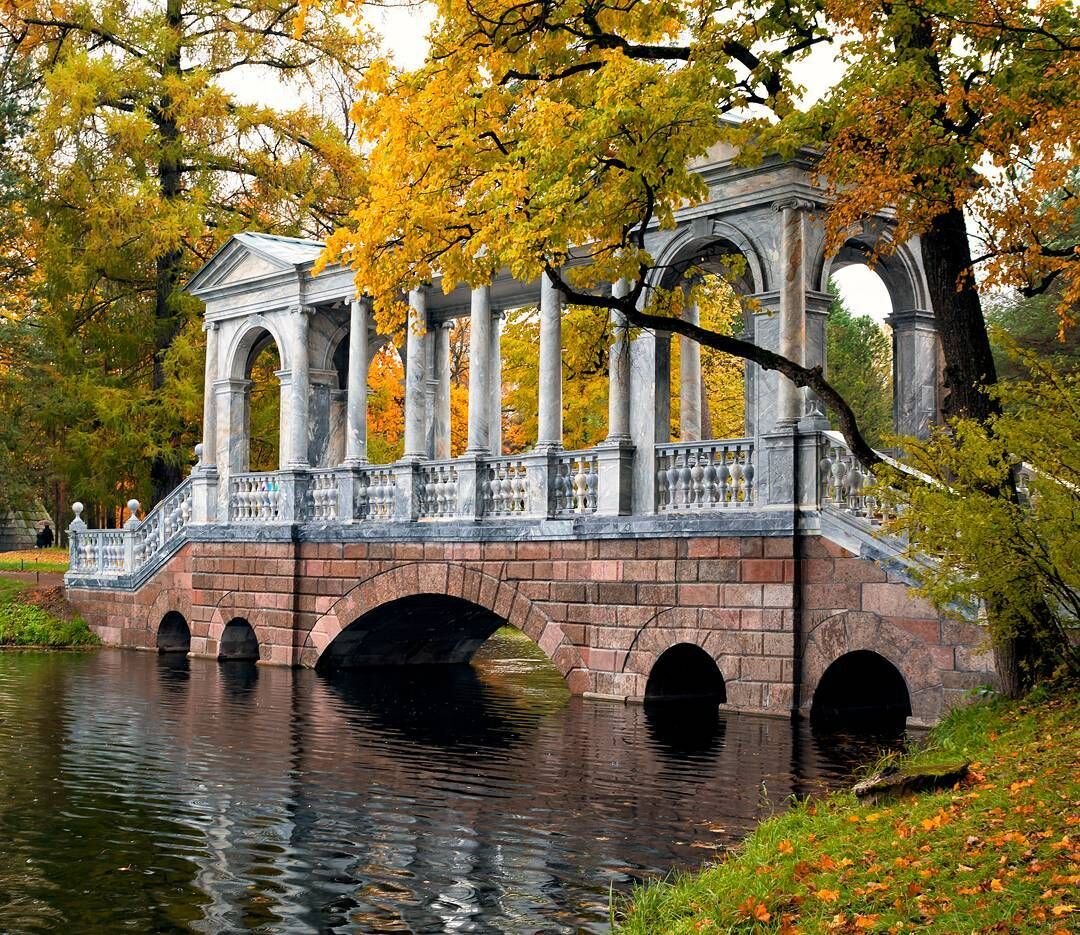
[748,569]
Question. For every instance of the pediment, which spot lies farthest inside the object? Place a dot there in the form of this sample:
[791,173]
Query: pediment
[250,258]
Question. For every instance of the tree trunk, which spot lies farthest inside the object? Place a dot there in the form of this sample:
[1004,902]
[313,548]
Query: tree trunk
[969,362]
[165,475]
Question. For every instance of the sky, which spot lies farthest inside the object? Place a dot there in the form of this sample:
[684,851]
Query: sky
[404,30]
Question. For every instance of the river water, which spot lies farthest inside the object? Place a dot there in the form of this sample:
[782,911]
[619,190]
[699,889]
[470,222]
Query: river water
[153,794]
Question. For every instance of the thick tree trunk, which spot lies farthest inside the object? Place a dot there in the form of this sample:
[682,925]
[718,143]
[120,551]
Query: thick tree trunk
[969,362]
[165,475]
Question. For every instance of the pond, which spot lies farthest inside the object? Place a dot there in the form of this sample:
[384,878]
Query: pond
[152,793]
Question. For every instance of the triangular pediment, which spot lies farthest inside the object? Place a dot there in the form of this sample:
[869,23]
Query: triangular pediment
[249,258]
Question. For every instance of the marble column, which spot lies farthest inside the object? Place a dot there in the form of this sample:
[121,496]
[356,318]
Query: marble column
[619,372]
[495,384]
[300,390]
[356,417]
[209,432]
[792,305]
[549,428]
[479,349]
[689,382]
[233,439]
[916,372]
[441,413]
[415,348]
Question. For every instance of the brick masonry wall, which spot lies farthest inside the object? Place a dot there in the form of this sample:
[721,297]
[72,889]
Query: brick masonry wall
[602,610]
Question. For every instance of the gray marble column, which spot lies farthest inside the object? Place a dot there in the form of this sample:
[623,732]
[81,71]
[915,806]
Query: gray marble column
[690,382]
[495,384]
[356,418]
[209,432]
[233,437]
[792,305]
[619,372]
[441,415]
[415,341]
[916,372]
[479,349]
[300,390]
[549,428]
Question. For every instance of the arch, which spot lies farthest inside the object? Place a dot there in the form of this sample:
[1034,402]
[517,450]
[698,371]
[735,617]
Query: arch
[712,236]
[251,338]
[861,689]
[851,631]
[685,672]
[173,634]
[899,268]
[238,642]
[176,600]
[229,608]
[483,592]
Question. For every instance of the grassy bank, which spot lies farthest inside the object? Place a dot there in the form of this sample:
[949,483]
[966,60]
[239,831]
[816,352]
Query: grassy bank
[1000,852]
[39,618]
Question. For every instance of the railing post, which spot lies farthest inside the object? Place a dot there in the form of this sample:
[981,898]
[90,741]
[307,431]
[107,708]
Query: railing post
[809,486]
[204,496]
[615,471]
[75,530]
[777,468]
[540,470]
[406,478]
[292,486]
[470,493]
[349,479]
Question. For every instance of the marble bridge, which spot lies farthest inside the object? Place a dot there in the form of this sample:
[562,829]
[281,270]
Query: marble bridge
[748,569]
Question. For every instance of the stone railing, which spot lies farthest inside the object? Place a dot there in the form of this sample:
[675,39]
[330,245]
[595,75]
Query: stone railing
[321,503]
[505,487]
[162,524]
[99,553]
[846,486]
[576,483]
[437,490]
[255,498]
[375,493]
[705,476]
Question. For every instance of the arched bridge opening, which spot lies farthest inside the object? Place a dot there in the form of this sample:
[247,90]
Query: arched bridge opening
[238,642]
[683,673]
[415,630]
[174,634]
[861,691]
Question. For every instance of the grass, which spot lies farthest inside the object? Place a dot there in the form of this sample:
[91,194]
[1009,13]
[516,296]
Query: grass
[1000,852]
[23,624]
[35,560]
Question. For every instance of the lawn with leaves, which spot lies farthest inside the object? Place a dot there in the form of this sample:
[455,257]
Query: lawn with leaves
[54,559]
[24,623]
[999,852]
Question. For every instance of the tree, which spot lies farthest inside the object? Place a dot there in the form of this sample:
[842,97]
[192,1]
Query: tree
[145,161]
[859,357]
[535,128]
[1020,557]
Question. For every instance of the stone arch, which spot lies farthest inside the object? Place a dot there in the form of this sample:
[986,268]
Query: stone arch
[169,599]
[659,634]
[249,340]
[238,642]
[852,631]
[501,598]
[685,671]
[173,633]
[707,234]
[229,608]
[899,268]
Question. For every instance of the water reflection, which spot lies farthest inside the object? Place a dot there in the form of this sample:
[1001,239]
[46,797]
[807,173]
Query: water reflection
[150,793]
[685,728]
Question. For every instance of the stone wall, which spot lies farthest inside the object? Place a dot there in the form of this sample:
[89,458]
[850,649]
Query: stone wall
[603,610]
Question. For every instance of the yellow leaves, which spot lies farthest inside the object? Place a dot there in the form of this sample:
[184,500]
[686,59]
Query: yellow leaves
[827,896]
[785,847]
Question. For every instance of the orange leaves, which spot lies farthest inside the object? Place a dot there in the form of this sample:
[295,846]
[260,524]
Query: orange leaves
[785,847]
[827,896]
[751,908]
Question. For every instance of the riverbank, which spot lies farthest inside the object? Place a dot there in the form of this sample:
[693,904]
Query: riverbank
[998,852]
[40,617]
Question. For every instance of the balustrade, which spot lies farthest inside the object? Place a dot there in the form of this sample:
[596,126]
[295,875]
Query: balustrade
[254,498]
[375,493]
[99,552]
[703,476]
[321,502]
[506,487]
[437,487]
[846,486]
[576,483]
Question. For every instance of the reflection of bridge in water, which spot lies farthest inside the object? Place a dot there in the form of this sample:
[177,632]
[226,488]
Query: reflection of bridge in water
[414,800]
[759,552]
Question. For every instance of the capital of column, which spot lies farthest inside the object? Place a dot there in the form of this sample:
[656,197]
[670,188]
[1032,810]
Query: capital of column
[234,384]
[912,318]
[209,326]
[301,310]
[793,204]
